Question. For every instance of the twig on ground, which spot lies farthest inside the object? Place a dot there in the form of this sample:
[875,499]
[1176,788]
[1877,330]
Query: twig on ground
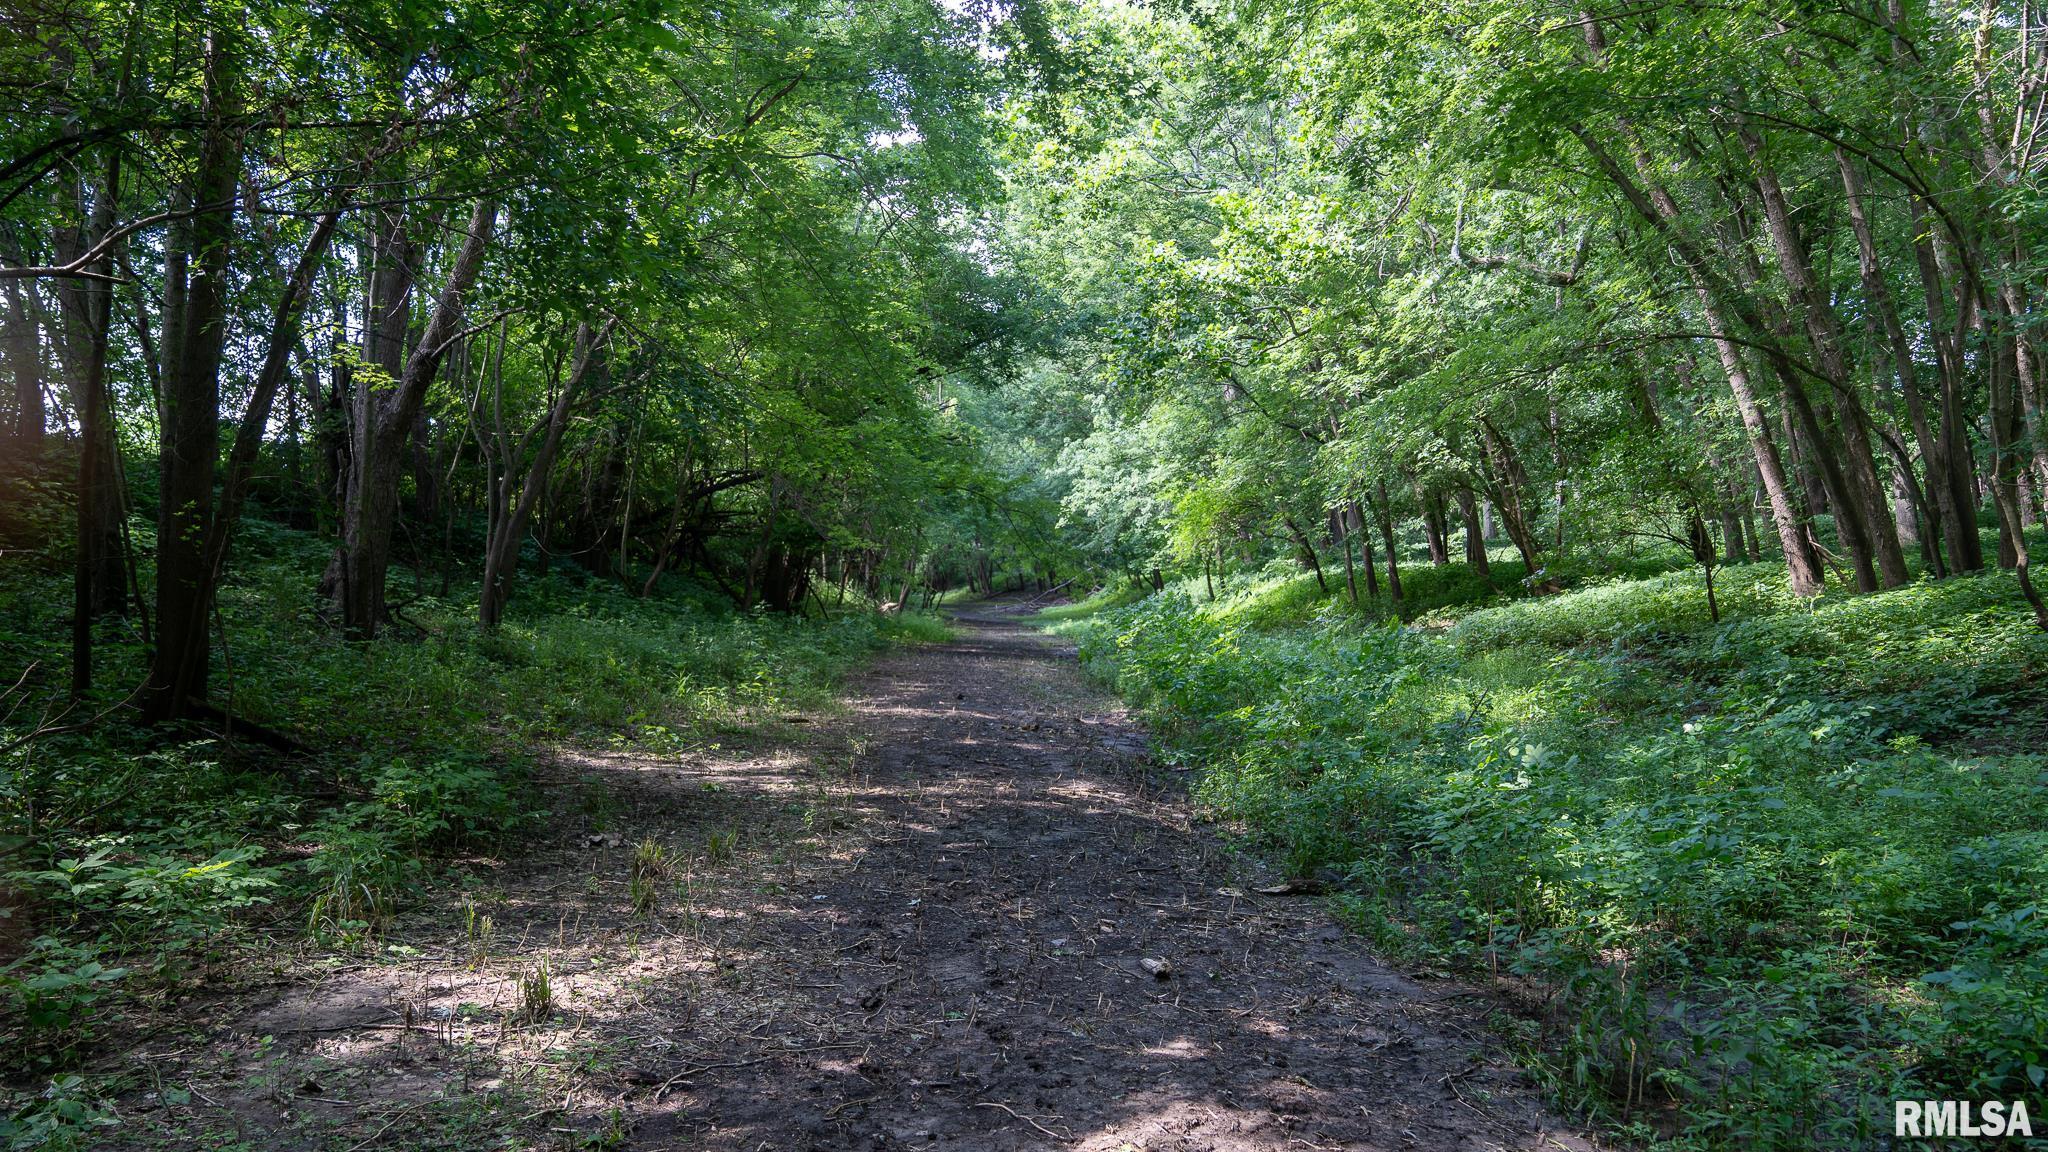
[1062,1137]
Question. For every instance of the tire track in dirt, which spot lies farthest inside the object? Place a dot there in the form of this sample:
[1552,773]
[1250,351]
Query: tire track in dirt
[979,976]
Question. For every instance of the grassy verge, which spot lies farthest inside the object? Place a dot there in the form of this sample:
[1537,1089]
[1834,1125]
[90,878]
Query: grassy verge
[136,867]
[1758,877]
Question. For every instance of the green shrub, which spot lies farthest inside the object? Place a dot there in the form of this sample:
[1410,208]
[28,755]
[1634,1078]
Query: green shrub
[449,801]
[54,988]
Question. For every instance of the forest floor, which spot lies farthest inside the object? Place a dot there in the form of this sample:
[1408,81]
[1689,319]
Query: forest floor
[962,913]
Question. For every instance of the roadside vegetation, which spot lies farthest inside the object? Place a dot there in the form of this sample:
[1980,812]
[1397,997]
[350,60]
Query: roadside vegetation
[1745,881]
[141,870]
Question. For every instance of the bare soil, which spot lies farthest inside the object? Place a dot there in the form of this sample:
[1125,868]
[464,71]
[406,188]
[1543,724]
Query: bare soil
[964,914]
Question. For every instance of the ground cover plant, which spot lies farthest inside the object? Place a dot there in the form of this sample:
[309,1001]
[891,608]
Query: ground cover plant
[1755,878]
[140,870]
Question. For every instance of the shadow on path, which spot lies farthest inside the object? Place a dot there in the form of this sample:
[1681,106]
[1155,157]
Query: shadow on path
[977,977]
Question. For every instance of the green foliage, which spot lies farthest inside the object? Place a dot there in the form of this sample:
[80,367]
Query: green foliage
[921,628]
[537,993]
[54,986]
[60,1118]
[447,802]
[1108,596]
[1782,868]
[131,897]
[149,860]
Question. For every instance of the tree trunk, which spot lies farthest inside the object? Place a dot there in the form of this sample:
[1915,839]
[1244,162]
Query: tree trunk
[93,586]
[1308,552]
[2008,455]
[1871,538]
[1432,502]
[1800,562]
[385,413]
[1940,507]
[1661,212]
[1475,535]
[1731,533]
[191,421]
[1339,535]
[1509,483]
[279,346]
[1385,509]
[511,504]
[23,349]
[1959,529]
[82,335]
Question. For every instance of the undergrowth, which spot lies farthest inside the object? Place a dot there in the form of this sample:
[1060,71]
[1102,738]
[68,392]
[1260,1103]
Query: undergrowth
[137,866]
[1759,877]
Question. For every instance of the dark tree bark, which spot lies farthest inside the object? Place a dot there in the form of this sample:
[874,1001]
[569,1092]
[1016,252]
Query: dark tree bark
[1357,523]
[97,580]
[22,347]
[1508,484]
[384,416]
[1385,511]
[1433,525]
[191,421]
[515,491]
[1308,550]
[84,312]
[1340,535]
[281,341]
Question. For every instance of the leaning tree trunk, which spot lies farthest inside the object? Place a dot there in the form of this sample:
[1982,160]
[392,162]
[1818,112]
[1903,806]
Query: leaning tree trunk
[1308,550]
[2008,456]
[1660,211]
[385,412]
[282,341]
[1509,485]
[512,505]
[1939,498]
[1385,510]
[1959,532]
[1861,497]
[1801,563]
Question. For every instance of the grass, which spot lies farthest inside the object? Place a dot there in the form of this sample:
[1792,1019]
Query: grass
[1769,873]
[1101,600]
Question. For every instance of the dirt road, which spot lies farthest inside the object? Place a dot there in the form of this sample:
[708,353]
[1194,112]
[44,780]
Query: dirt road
[966,915]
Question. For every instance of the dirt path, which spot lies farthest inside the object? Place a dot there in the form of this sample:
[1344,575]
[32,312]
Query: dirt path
[925,925]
